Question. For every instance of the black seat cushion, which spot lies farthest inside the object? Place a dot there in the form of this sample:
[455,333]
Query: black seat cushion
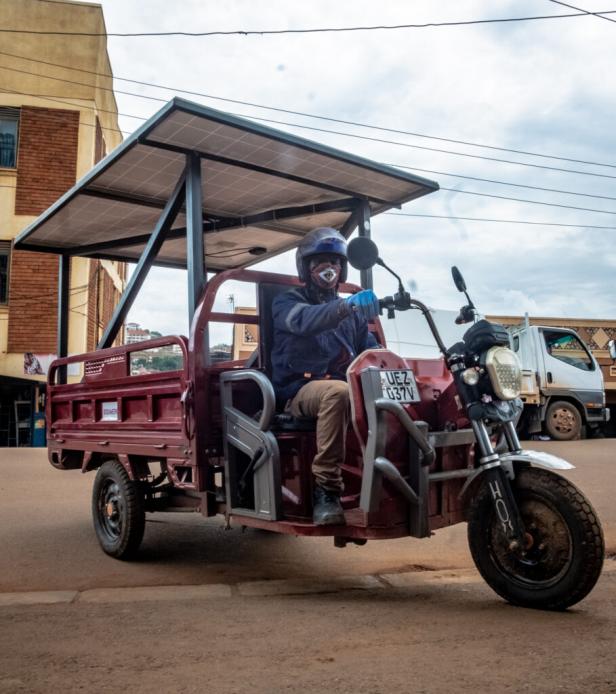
[287,422]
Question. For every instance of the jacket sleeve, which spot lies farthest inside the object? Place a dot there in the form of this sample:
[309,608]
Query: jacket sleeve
[294,315]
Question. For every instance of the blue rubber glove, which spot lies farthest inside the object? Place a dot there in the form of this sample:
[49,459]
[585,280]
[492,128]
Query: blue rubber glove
[365,303]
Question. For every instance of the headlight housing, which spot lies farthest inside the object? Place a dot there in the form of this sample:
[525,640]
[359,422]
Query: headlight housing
[505,372]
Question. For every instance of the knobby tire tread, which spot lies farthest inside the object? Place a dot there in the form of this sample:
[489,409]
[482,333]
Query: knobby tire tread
[592,546]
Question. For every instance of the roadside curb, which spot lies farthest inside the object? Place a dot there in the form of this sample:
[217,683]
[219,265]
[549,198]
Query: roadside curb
[252,589]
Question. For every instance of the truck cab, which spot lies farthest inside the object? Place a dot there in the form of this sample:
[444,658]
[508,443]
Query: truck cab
[563,385]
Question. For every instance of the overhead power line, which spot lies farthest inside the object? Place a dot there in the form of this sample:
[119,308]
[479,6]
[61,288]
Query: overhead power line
[503,183]
[277,109]
[532,202]
[463,192]
[579,9]
[316,30]
[498,221]
[352,135]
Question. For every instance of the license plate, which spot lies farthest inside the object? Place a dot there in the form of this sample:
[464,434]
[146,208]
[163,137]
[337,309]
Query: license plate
[399,386]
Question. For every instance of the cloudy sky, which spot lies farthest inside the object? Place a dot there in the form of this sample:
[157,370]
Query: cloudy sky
[546,88]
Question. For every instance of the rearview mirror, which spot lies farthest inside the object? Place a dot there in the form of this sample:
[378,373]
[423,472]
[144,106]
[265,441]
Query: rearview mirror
[362,253]
[611,348]
[458,279]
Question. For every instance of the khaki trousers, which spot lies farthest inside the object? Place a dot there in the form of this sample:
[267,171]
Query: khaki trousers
[328,401]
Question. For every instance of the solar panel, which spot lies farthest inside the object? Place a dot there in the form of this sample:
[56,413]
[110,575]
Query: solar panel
[262,189]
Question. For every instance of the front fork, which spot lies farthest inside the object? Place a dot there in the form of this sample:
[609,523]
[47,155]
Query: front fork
[498,483]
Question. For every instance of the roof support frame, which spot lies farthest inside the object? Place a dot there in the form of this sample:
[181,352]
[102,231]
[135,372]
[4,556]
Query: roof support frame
[195,246]
[146,261]
[64,281]
[363,229]
[231,223]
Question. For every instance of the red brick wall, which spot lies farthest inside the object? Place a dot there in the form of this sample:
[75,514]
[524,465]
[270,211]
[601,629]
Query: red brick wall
[47,157]
[46,168]
[33,302]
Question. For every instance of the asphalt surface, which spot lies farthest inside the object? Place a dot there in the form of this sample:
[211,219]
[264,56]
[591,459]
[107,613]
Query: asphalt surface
[48,542]
[226,611]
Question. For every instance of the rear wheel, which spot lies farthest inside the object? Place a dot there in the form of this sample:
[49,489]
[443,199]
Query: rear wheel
[117,511]
[565,549]
[563,421]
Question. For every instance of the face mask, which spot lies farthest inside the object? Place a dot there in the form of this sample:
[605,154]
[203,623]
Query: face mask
[325,275]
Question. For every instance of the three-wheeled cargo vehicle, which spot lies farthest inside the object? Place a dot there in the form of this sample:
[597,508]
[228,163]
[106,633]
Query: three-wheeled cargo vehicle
[432,442]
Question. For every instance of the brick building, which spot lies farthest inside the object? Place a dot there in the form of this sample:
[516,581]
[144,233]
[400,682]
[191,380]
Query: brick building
[58,117]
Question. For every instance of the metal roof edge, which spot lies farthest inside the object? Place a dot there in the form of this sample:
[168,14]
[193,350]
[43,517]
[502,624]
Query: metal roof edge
[102,165]
[281,135]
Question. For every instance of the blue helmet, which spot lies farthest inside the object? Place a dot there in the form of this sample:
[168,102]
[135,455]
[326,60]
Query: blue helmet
[321,240]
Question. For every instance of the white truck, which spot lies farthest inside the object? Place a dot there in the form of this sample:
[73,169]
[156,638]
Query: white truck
[563,386]
[563,389]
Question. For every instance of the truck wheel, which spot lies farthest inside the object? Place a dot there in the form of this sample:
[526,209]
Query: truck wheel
[565,552]
[117,511]
[563,421]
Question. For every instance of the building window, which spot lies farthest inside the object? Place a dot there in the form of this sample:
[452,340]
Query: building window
[5,254]
[9,122]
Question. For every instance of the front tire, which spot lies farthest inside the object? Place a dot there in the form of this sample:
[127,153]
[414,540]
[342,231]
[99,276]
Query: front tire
[565,554]
[117,511]
[563,421]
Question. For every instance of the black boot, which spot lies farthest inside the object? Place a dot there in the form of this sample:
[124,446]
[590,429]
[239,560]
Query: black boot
[327,509]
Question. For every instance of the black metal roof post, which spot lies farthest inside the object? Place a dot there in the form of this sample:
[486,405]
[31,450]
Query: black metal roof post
[64,280]
[363,229]
[195,251]
[166,219]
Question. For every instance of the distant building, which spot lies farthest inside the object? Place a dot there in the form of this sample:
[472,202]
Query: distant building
[133,332]
[58,117]
[245,335]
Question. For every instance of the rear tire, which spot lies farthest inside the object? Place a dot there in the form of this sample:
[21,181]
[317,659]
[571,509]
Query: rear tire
[563,421]
[117,511]
[565,556]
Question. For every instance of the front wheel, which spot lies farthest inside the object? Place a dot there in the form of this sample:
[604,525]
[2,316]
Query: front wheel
[117,511]
[565,548]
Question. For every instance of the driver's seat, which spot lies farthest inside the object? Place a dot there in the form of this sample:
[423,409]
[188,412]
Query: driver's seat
[267,293]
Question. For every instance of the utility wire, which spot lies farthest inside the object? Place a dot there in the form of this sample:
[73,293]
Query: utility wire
[338,132]
[532,202]
[503,197]
[498,221]
[594,14]
[503,183]
[319,30]
[277,109]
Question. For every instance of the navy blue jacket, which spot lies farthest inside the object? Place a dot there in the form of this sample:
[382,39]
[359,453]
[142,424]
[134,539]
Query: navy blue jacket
[312,341]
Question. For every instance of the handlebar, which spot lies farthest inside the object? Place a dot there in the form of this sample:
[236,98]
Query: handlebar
[401,301]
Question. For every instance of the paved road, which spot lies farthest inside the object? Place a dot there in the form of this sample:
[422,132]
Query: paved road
[49,544]
[268,614]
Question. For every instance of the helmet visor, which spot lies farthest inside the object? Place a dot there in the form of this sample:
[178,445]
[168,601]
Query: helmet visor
[328,246]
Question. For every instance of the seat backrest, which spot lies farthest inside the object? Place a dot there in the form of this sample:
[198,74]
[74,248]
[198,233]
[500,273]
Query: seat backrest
[266,295]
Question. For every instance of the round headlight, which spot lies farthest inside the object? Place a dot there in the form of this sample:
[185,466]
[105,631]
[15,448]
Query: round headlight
[503,367]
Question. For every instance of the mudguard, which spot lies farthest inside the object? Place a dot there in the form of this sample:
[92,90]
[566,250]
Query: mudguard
[535,458]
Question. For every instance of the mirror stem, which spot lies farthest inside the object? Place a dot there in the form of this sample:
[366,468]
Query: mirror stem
[400,285]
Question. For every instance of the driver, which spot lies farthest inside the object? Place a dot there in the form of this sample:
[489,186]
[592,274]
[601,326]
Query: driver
[316,336]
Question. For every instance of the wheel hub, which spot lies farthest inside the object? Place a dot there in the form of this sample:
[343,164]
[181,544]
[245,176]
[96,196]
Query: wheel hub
[547,549]
[111,509]
[564,420]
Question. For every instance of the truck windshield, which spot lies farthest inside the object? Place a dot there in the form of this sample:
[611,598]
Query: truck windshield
[568,348]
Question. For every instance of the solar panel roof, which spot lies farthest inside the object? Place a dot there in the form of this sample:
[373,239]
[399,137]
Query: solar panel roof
[262,190]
